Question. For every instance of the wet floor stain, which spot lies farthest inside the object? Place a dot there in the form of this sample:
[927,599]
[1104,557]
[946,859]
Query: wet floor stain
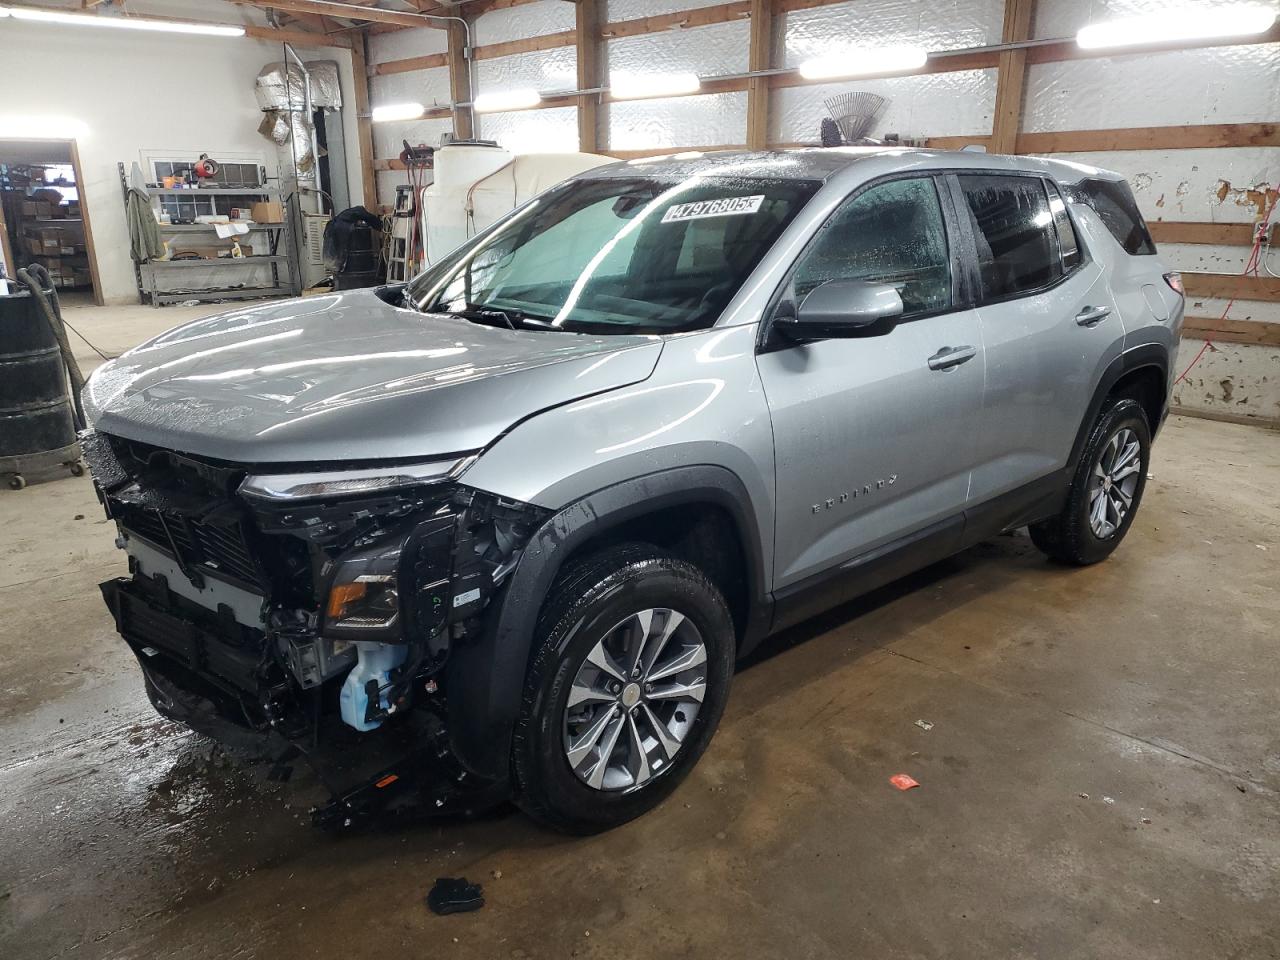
[127,837]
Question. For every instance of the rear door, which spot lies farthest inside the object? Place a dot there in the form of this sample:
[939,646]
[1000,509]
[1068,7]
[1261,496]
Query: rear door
[874,434]
[1049,327]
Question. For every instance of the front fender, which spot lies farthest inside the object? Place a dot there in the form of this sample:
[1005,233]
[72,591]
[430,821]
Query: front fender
[486,676]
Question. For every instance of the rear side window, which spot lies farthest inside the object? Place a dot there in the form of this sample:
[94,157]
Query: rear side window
[1113,202]
[1013,229]
[1067,242]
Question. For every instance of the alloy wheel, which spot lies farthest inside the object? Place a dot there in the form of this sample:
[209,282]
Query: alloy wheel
[1115,481]
[634,700]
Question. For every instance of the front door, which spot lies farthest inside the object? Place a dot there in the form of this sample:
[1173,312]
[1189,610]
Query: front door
[874,434]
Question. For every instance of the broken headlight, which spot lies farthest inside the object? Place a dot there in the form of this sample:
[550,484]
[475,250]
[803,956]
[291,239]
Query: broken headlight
[348,483]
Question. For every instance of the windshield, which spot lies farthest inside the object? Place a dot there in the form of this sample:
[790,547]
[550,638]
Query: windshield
[616,255]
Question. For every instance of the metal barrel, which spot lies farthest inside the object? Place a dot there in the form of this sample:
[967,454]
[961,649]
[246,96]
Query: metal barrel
[35,408]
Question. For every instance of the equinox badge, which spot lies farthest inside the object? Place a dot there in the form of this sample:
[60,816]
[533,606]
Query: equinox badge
[866,490]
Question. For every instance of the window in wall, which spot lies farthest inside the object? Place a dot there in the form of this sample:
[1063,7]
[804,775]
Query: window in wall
[1017,249]
[230,173]
[62,177]
[1067,241]
[893,233]
[1113,202]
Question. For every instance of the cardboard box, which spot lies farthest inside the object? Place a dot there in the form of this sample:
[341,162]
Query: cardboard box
[267,211]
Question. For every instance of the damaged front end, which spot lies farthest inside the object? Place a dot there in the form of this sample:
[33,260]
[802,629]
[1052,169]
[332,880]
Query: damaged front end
[322,606]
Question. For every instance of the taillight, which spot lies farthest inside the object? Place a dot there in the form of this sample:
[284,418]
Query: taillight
[1174,280]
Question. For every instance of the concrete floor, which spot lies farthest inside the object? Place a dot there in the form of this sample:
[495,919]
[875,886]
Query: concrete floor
[1100,779]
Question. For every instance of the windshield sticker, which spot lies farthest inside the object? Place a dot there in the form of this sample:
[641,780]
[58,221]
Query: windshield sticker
[724,207]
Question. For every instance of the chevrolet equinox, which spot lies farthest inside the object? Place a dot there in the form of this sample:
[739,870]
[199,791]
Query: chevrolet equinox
[526,511]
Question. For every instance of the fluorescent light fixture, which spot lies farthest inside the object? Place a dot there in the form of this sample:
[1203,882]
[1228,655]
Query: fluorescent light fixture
[397,111]
[1178,24]
[634,86]
[121,23]
[864,62]
[42,127]
[506,100]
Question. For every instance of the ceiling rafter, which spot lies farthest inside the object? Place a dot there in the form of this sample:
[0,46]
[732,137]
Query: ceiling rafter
[344,10]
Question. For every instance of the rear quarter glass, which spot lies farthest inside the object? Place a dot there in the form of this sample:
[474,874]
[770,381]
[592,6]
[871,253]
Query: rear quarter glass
[1114,204]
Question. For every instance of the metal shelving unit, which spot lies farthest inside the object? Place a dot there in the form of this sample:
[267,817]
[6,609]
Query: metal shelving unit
[283,264]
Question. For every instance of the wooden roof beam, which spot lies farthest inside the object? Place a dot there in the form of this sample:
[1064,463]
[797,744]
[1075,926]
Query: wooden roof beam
[348,11]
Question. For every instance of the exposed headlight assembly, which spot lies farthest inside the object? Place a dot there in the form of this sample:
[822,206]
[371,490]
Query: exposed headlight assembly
[364,595]
[397,589]
[346,483]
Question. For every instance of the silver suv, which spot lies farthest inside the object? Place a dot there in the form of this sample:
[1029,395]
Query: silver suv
[507,529]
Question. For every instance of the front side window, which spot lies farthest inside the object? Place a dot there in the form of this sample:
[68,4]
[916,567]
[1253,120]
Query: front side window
[1013,230]
[616,255]
[892,233]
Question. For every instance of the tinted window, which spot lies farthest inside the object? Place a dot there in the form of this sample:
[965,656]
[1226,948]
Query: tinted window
[893,233]
[1067,241]
[1113,201]
[1017,249]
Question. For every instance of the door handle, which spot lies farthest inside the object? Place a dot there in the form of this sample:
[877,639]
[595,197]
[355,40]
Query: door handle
[1092,315]
[949,357]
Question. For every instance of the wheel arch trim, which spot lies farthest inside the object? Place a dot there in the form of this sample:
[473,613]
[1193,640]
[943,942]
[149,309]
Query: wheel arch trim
[486,675]
[1148,355]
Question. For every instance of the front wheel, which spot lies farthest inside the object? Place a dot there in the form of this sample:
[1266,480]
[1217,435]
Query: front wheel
[1105,491]
[635,653]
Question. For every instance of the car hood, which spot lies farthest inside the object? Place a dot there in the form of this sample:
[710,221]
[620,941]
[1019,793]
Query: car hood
[348,376]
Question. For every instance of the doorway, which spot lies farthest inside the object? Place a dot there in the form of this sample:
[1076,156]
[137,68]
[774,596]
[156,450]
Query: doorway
[44,218]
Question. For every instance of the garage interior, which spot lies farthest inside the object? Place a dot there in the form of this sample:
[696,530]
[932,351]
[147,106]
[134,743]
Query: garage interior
[1096,749]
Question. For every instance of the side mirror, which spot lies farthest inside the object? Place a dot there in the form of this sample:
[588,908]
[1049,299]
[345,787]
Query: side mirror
[842,308]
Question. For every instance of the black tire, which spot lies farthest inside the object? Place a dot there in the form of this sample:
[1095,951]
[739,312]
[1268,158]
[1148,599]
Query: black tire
[589,599]
[1069,537]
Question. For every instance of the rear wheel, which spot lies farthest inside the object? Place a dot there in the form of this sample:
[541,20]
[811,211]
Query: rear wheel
[1106,490]
[627,687]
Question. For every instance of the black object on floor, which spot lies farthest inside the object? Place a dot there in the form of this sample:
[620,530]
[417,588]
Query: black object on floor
[455,895]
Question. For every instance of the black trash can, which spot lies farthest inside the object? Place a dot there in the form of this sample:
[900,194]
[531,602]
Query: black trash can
[37,427]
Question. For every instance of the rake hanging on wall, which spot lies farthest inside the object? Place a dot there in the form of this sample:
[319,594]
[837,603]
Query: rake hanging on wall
[854,114]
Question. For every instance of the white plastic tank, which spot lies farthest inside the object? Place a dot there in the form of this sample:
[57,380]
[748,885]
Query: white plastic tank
[375,661]
[457,168]
[474,185]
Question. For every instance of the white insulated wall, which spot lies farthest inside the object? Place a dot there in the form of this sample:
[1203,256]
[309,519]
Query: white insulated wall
[429,87]
[147,93]
[1228,84]
[1233,84]
[944,104]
